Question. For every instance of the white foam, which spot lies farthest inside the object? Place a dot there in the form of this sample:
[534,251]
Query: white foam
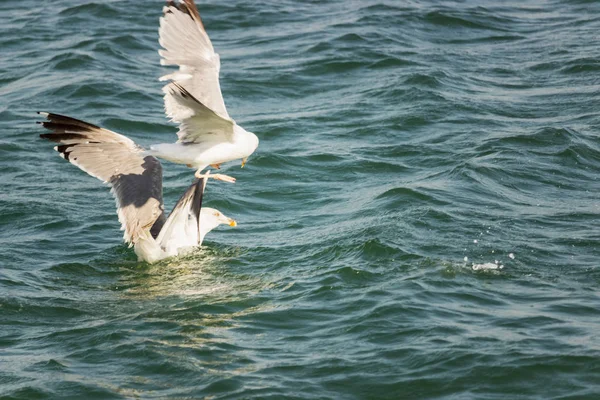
[486,266]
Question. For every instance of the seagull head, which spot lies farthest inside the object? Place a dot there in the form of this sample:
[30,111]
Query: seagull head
[212,218]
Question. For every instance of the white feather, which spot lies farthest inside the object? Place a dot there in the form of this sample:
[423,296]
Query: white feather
[207,135]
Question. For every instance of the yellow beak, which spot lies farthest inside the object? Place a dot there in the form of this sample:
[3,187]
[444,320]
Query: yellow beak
[232,222]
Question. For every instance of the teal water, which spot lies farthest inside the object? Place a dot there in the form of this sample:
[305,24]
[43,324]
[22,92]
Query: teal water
[405,148]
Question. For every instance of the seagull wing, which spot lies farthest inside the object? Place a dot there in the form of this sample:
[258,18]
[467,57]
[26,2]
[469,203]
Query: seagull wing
[182,228]
[186,44]
[135,178]
[198,123]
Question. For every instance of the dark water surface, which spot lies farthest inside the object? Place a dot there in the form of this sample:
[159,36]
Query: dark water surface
[406,147]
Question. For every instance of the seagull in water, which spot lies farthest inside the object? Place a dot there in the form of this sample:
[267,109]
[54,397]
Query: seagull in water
[136,182]
[207,135]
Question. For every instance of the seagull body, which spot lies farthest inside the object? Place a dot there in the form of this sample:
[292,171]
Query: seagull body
[136,182]
[193,99]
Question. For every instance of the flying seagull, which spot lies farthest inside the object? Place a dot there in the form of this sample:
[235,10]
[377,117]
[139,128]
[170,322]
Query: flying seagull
[136,182]
[207,134]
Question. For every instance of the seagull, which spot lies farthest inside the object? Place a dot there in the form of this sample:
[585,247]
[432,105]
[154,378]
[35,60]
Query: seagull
[136,182]
[207,134]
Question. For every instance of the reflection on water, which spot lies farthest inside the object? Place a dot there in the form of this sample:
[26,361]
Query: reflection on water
[204,273]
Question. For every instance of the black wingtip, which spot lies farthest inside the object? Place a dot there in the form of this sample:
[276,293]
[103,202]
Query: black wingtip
[197,200]
[65,120]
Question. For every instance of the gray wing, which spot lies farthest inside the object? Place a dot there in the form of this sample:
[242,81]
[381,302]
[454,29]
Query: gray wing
[135,178]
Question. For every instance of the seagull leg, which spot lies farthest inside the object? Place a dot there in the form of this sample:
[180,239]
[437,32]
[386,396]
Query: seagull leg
[199,175]
[219,177]
[222,177]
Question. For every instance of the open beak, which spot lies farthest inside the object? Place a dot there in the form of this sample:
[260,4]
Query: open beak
[232,222]
[244,160]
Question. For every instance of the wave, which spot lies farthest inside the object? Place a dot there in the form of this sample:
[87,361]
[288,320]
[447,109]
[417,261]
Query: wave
[95,10]
[479,18]
[581,65]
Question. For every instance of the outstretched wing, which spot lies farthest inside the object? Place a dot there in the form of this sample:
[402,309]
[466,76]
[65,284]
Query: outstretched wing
[198,123]
[182,228]
[136,178]
[186,44]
